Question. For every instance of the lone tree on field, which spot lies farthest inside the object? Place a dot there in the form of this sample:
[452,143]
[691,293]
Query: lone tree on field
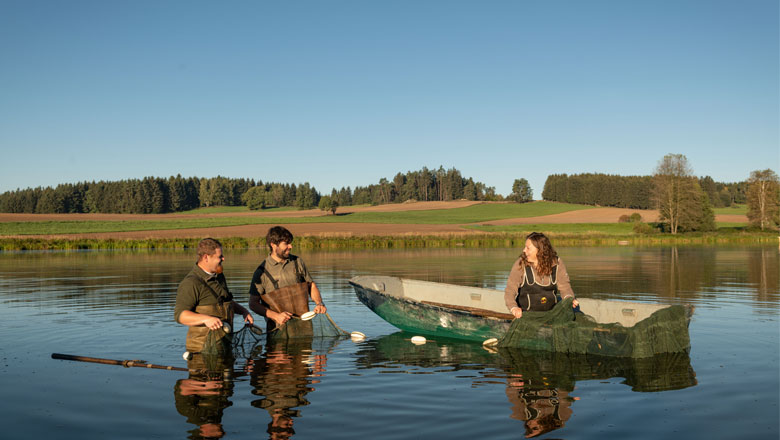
[681,202]
[327,203]
[521,191]
[763,199]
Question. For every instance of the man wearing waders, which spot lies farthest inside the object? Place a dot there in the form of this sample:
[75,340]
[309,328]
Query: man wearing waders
[281,285]
[203,300]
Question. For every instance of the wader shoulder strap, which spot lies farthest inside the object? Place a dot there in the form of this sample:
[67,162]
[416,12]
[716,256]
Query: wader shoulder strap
[268,274]
[529,275]
[298,274]
[220,300]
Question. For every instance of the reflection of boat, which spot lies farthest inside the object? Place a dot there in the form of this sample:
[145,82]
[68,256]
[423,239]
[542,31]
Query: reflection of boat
[662,372]
[477,314]
[538,384]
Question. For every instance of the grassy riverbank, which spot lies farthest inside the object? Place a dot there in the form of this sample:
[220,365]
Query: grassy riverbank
[560,237]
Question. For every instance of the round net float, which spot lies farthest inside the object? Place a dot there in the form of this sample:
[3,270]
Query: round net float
[490,342]
[490,349]
[226,327]
[357,336]
[418,340]
[308,315]
[186,355]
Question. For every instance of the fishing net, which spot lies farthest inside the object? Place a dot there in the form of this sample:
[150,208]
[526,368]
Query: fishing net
[321,326]
[218,343]
[210,366]
[661,372]
[564,330]
[246,342]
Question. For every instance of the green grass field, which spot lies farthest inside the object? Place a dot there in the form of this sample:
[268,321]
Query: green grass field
[734,209]
[469,214]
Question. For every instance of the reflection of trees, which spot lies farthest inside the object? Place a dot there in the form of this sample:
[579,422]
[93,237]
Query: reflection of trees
[147,280]
[283,376]
[686,273]
[764,272]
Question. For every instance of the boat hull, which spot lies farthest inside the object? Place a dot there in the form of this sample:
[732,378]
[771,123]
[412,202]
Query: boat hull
[610,328]
[432,320]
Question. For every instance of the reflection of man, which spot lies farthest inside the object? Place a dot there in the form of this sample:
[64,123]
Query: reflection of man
[542,409]
[202,399]
[282,377]
[203,300]
[281,285]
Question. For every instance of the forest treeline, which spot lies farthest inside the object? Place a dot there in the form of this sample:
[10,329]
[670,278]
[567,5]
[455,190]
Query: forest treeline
[635,192]
[152,195]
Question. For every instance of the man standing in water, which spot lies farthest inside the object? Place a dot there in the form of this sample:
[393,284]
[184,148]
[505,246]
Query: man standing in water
[285,277]
[203,300]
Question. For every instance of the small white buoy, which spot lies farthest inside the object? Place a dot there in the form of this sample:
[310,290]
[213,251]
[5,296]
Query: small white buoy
[418,340]
[186,355]
[226,327]
[308,315]
[490,349]
[490,342]
[357,336]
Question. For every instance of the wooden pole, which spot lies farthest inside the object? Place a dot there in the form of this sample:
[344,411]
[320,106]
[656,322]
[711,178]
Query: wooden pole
[126,363]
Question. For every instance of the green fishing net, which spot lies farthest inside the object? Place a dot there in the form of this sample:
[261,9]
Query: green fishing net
[218,343]
[661,372]
[246,342]
[321,326]
[564,330]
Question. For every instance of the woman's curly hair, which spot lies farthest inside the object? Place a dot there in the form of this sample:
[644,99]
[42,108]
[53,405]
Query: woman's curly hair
[546,257]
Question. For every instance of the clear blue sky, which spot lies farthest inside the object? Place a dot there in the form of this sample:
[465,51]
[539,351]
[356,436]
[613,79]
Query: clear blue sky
[342,93]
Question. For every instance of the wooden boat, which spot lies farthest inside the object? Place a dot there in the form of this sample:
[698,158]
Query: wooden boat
[474,313]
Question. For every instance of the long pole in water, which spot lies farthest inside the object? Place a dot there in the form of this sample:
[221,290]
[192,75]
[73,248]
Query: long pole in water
[126,363]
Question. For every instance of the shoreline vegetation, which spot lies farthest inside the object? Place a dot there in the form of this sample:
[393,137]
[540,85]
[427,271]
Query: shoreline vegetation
[370,227]
[729,236]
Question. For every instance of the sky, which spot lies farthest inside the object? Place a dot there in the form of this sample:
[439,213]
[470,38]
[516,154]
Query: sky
[342,93]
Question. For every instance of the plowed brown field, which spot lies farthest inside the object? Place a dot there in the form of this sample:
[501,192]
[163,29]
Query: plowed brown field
[596,215]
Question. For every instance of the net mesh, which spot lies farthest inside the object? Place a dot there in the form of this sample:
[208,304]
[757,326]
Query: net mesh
[218,343]
[246,342]
[564,330]
[321,326]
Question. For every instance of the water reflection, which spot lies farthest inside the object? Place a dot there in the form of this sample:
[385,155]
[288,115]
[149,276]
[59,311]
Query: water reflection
[538,384]
[283,375]
[204,395]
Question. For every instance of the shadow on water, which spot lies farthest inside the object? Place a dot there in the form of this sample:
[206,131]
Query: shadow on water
[537,383]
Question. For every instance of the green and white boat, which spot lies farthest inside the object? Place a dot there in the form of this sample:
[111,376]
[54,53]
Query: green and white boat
[611,328]
[434,308]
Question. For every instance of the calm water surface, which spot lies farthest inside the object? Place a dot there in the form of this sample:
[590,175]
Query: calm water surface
[120,305]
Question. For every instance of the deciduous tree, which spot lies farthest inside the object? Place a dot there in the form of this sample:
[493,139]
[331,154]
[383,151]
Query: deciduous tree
[681,203]
[327,203]
[521,191]
[762,199]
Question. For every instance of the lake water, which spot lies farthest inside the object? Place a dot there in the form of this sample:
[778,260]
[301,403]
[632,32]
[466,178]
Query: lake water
[119,305]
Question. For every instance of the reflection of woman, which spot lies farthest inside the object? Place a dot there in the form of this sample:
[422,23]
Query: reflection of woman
[537,278]
[542,409]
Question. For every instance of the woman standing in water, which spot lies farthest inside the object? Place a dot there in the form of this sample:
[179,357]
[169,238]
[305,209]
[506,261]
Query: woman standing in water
[538,279]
